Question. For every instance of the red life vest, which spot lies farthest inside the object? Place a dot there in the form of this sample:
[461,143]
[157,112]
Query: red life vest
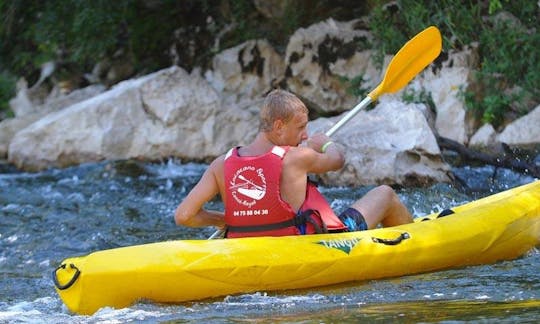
[253,204]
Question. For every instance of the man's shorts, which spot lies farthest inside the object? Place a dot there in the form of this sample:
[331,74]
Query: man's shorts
[353,219]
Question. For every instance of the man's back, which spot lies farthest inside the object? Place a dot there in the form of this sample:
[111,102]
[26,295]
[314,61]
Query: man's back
[293,180]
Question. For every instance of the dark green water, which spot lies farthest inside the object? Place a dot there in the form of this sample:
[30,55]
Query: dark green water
[48,216]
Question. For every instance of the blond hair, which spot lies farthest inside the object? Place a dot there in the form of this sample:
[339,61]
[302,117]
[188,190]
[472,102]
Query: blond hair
[279,104]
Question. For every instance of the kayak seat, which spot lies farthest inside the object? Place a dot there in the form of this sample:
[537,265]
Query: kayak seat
[445,212]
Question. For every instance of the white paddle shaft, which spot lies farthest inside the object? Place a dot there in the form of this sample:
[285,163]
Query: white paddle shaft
[363,104]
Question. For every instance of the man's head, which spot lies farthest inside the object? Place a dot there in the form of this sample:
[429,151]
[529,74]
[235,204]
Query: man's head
[284,117]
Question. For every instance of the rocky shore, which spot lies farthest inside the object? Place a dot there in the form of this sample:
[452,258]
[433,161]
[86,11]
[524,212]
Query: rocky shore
[198,115]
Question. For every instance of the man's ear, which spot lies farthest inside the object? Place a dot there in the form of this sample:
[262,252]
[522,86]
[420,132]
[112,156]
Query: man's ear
[278,124]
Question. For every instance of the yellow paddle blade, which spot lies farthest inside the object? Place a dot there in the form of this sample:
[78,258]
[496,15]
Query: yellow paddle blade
[412,58]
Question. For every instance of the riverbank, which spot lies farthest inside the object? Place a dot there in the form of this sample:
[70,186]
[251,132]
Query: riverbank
[199,114]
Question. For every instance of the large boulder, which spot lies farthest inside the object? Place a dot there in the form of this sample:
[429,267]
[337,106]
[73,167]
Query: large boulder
[451,120]
[484,137]
[445,82]
[390,144]
[29,111]
[26,100]
[167,113]
[246,72]
[523,132]
[327,62]
[38,100]
[9,127]
[237,124]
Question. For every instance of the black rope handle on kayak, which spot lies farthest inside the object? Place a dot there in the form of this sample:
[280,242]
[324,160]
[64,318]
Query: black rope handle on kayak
[71,282]
[396,241]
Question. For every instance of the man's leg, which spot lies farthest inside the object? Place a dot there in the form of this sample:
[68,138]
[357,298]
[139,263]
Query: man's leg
[382,205]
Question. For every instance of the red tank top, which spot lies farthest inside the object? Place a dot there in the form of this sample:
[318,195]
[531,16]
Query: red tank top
[253,204]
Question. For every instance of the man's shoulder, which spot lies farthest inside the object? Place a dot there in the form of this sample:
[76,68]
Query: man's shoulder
[219,160]
[300,150]
[299,153]
[217,163]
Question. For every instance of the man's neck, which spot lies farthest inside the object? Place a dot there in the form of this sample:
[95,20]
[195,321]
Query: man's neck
[260,145]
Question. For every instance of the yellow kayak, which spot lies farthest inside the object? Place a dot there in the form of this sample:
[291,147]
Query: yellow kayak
[503,226]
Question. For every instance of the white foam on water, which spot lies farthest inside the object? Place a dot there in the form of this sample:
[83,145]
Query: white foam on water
[20,316]
[28,312]
[174,169]
[73,180]
[112,316]
[11,208]
[482,297]
[44,310]
[259,298]
[12,238]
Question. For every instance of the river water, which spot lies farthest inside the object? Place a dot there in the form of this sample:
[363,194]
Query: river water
[48,216]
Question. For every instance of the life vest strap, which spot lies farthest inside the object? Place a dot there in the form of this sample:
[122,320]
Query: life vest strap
[261,228]
[301,219]
[312,217]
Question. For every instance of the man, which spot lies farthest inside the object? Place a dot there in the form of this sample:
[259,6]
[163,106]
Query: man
[265,187]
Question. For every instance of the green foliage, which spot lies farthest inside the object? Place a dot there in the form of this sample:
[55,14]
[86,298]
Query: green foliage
[395,24]
[422,96]
[354,86]
[16,30]
[77,34]
[388,35]
[240,11]
[509,53]
[510,58]
[80,33]
[7,91]
[494,5]
[489,108]
[250,24]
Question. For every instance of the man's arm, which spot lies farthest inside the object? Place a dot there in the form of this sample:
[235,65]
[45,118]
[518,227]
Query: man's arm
[190,212]
[317,161]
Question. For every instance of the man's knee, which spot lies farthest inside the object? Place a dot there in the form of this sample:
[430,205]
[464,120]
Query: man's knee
[389,196]
[386,192]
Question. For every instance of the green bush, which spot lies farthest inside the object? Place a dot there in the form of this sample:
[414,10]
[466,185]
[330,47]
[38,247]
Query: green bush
[7,91]
[510,58]
[509,53]
[78,34]
[422,96]
[394,24]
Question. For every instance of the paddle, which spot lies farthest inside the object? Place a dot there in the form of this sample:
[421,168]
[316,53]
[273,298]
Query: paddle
[410,60]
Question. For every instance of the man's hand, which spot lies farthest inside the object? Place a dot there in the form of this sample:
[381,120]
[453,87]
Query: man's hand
[317,141]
